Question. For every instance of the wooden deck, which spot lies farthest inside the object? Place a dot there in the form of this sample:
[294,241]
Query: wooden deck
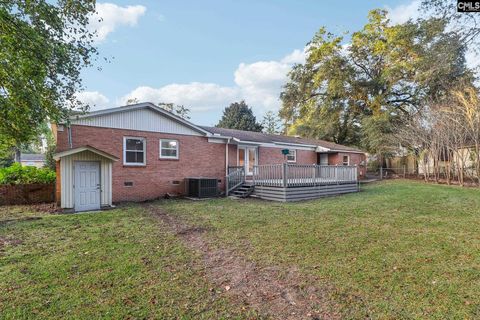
[292,182]
[303,193]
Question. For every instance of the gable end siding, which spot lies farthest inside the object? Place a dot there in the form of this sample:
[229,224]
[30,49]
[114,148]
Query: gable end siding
[140,119]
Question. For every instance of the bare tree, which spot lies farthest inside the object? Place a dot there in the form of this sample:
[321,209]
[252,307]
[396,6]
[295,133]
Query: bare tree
[446,137]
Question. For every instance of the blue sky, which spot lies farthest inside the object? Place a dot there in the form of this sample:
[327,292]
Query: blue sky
[207,54]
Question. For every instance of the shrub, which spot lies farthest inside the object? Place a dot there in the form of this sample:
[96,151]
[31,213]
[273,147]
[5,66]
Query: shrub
[373,165]
[18,174]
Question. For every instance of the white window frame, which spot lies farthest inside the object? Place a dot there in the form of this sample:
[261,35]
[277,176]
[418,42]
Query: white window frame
[343,160]
[134,164]
[169,157]
[294,153]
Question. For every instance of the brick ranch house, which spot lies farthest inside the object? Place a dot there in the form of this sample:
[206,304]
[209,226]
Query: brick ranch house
[140,152]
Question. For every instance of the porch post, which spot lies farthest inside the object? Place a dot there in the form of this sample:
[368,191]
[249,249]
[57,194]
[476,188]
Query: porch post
[356,178]
[336,173]
[285,175]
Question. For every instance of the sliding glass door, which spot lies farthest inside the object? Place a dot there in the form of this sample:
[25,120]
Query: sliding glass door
[247,158]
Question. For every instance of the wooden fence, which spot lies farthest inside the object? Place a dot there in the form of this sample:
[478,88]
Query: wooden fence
[26,194]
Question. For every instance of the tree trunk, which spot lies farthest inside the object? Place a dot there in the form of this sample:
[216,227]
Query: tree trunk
[477,161]
[18,154]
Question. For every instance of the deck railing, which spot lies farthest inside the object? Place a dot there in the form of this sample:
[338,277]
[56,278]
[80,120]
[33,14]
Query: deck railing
[235,177]
[296,175]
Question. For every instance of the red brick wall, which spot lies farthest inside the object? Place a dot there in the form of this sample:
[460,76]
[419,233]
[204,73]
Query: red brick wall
[355,159]
[268,155]
[275,156]
[232,155]
[197,157]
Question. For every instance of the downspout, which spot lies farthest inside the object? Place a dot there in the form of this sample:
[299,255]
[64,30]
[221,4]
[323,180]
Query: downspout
[226,156]
[69,133]
[226,166]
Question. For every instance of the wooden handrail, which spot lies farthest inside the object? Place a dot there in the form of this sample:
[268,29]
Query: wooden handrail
[234,179]
[293,175]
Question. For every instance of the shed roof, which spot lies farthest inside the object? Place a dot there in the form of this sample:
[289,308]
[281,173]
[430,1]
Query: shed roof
[70,152]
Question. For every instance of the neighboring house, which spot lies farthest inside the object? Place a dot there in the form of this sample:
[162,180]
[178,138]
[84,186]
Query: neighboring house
[426,162]
[141,152]
[32,159]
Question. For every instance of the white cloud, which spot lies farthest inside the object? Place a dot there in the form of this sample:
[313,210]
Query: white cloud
[472,60]
[404,12]
[258,83]
[196,95]
[297,56]
[94,99]
[109,16]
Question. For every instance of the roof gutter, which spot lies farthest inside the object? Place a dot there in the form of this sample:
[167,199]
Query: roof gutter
[295,144]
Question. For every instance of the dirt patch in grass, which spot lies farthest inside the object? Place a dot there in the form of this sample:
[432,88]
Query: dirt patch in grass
[9,221]
[273,291]
[4,241]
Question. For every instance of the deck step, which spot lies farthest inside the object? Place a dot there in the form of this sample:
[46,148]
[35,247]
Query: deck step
[243,191]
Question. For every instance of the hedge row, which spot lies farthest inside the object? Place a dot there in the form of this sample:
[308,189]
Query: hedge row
[18,174]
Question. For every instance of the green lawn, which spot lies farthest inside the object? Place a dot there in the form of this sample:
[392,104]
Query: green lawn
[396,250]
[116,264]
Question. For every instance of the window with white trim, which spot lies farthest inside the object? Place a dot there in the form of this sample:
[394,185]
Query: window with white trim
[346,160]
[134,151]
[292,155]
[168,149]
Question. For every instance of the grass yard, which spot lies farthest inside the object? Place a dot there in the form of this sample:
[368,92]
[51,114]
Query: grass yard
[398,249]
[115,264]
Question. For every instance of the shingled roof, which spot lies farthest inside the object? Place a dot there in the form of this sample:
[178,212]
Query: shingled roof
[32,157]
[275,138]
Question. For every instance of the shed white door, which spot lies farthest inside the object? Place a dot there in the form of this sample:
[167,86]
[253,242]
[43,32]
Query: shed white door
[87,185]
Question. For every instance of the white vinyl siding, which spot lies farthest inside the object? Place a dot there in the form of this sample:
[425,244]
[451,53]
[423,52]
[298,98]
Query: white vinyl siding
[140,119]
[168,149]
[67,182]
[134,151]
[292,155]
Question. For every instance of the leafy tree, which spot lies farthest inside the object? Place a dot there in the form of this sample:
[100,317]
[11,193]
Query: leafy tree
[49,160]
[356,94]
[44,45]
[466,25]
[6,154]
[132,101]
[271,123]
[239,116]
[51,149]
[179,110]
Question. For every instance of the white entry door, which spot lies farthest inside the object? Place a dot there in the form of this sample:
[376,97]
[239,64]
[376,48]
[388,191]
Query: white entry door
[247,158]
[87,185]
